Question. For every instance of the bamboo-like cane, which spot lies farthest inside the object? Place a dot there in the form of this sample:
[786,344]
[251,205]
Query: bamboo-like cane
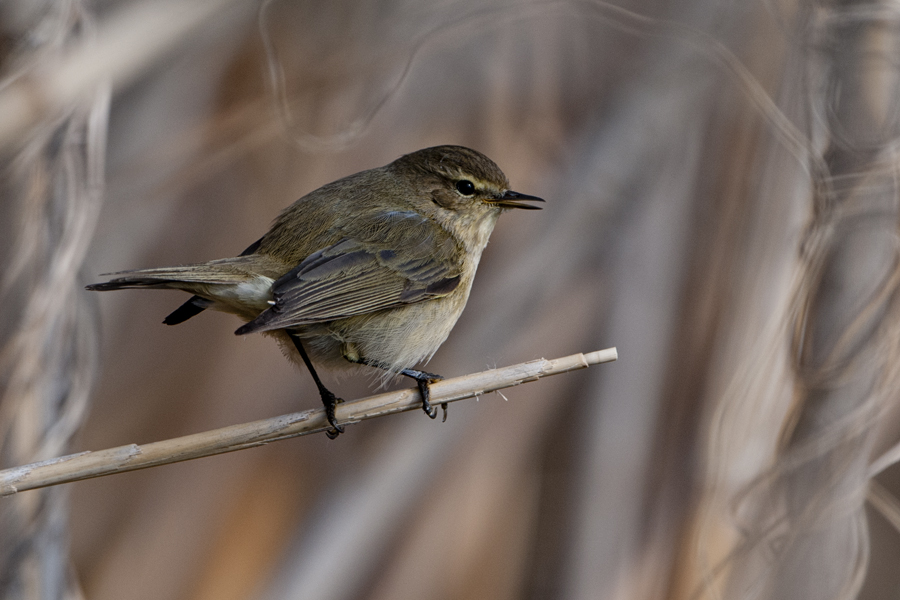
[86,465]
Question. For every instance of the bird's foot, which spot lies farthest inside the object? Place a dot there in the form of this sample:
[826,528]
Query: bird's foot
[330,401]
[423,380]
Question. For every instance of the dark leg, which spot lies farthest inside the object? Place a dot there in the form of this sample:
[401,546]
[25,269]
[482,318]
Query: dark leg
[422,380]
[328,399]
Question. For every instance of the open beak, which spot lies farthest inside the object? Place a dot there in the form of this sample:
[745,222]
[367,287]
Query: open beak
[511,199]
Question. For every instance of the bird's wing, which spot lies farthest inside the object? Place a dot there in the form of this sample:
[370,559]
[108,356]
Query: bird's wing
[393,267]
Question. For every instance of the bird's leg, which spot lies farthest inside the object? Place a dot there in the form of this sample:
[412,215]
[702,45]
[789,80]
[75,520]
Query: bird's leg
[328,398]
[422,378]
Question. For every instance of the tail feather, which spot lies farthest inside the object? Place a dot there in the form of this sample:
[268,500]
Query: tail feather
[191,278]
[124,283]
[199,279]
[196,304]
[212,272]
[191,308]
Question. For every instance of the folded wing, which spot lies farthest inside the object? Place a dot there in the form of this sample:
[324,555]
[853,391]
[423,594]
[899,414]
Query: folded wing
[354,277]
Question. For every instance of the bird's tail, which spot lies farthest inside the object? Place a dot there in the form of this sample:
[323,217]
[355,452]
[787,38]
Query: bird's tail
[190,278]
[181,278]
[124,283]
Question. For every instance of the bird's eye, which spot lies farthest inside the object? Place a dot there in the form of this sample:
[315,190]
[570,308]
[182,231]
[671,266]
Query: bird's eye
[465,187]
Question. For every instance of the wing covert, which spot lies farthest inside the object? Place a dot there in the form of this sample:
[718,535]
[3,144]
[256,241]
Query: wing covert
[353,277]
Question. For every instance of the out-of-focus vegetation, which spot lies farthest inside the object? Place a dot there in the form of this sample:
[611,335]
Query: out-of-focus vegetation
[722,206]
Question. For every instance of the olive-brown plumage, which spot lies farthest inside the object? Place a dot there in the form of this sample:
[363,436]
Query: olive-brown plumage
[374,268]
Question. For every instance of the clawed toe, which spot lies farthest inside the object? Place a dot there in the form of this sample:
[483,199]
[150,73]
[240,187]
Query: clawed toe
[330,401]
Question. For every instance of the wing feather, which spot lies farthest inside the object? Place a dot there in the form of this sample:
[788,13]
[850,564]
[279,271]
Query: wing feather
[353,277]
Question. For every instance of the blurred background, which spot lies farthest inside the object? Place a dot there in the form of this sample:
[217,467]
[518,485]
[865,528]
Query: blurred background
[721,181]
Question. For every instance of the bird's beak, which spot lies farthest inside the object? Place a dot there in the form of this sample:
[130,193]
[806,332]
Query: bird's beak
[511,199]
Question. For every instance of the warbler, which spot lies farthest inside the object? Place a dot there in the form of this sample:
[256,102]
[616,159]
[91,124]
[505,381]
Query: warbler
[372,269]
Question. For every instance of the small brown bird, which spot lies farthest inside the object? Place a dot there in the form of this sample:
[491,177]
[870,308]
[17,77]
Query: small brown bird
[372,269]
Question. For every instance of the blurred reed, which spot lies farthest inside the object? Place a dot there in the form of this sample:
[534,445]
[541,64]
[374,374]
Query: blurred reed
[722,206]
[52,187]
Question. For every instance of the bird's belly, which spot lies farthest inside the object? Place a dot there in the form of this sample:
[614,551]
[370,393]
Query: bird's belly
[394,339]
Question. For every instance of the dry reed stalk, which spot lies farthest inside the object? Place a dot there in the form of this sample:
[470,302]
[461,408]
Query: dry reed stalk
[87,465]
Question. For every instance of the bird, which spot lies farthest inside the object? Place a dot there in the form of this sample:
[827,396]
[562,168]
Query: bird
[372,269]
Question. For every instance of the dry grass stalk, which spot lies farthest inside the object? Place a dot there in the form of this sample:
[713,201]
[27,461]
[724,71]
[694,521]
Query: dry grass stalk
[87,465]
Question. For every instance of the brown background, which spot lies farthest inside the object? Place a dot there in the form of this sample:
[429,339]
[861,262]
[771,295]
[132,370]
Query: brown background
[720,206]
